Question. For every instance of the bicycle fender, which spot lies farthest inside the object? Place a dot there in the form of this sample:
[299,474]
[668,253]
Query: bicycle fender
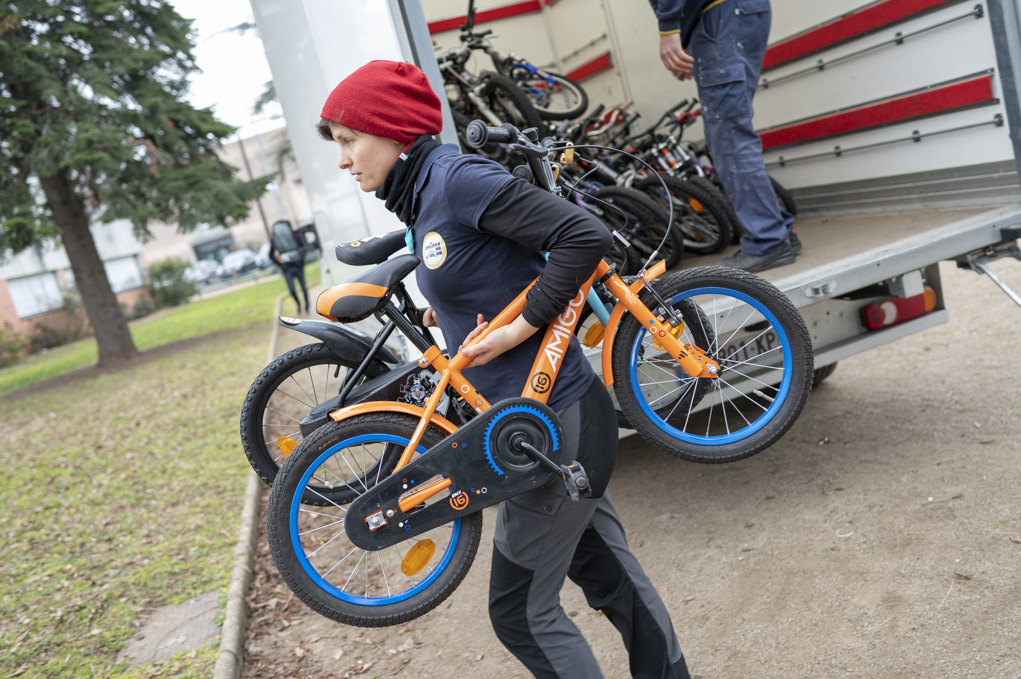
[618,313]
[442,423]
[400,385]
[343,341]
[478,464]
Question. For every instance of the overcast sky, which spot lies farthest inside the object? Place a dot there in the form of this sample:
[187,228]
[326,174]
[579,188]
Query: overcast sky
[234,69]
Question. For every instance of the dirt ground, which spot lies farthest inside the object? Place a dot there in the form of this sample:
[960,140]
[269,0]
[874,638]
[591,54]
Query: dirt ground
[880,538]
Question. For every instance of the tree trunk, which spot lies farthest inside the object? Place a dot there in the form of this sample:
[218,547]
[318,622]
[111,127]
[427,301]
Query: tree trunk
[98,298]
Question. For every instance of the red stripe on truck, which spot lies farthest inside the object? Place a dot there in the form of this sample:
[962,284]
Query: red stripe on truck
[488,15]
[936,99]
[852,25]
[591,68]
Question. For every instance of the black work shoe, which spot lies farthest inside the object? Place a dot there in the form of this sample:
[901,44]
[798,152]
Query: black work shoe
[774,256]
[792,236]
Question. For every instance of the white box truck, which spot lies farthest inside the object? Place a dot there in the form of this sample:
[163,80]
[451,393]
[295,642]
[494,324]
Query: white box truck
[895,124]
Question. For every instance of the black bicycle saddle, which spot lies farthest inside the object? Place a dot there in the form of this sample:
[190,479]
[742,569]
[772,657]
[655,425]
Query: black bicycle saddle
[363,295]
[371,249]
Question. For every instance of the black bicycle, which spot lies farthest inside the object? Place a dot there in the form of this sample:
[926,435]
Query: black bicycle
[554,96]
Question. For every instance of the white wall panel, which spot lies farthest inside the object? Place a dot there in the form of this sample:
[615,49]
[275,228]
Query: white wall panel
[952,51]
[311,46]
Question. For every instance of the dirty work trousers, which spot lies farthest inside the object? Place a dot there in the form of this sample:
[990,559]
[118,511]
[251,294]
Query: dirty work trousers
[728,46]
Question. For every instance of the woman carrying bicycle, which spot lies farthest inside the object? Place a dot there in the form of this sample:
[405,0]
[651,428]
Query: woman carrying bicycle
[480,233]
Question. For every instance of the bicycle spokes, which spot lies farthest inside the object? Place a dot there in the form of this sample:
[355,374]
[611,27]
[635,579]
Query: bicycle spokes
[349,573]
[749,346]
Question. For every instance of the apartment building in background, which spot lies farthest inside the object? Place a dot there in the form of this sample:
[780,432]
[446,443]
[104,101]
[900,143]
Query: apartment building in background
[34,283]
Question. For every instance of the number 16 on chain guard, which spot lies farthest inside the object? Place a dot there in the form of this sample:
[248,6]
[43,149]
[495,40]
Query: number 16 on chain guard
[513,447]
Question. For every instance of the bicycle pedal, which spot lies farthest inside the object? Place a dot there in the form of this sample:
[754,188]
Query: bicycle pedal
[576,480]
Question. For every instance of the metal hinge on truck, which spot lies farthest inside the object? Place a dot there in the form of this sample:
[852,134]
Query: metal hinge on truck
[977,260]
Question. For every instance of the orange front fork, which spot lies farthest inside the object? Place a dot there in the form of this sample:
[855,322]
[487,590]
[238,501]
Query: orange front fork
[691,358]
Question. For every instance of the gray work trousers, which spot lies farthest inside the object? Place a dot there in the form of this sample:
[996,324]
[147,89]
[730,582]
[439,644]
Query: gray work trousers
[543,536]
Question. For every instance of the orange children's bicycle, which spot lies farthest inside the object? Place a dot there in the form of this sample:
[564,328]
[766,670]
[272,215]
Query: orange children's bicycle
[709,362]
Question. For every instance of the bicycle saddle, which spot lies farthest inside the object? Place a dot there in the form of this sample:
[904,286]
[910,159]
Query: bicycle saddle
[363,295]
[370,250]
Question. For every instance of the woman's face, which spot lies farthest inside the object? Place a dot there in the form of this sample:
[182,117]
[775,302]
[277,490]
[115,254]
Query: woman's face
[366,156]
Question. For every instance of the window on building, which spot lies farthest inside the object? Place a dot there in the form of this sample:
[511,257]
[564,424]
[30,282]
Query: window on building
[36,294]
[124,273]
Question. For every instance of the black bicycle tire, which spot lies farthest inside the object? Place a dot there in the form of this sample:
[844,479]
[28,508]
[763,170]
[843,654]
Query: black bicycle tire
[278,531]
[822,374]
[705,207]
[527,115]
[783,197]
[266,384]
[715,190]
[544,112]
[801,368]
[655,221]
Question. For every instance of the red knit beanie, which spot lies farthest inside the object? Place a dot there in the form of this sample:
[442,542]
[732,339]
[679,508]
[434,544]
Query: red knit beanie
[389,99]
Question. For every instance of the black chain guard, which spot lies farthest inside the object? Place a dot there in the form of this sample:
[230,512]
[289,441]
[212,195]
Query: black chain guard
[479,461]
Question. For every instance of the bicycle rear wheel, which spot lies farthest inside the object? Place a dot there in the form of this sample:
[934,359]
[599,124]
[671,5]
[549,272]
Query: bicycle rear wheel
[702,221]
[765,357]
[641,221]
[285,392]
[329,573]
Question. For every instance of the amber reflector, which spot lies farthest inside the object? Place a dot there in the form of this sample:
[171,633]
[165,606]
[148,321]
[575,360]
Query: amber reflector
[286,444]
[417,557]
[594,335]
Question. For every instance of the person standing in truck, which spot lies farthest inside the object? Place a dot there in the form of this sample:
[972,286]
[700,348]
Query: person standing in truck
[467,218]
[721,44]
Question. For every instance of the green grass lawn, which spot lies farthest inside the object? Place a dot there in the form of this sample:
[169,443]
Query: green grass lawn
[123,493]
[213,314]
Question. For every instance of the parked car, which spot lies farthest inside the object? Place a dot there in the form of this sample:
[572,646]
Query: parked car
[202,272]
[262,257]
[237,262]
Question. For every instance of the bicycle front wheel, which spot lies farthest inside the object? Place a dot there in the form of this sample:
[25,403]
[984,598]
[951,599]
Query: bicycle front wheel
[509,102]
[554,96]
[326,570]
[765,356]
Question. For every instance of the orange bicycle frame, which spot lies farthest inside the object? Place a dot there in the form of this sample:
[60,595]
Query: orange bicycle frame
[548,361]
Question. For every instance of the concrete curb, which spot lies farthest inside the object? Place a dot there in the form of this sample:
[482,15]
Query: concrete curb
[230,660]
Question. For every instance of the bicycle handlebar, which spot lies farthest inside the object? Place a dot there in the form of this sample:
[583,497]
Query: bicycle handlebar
[469,35]
[478,134]
[537,154]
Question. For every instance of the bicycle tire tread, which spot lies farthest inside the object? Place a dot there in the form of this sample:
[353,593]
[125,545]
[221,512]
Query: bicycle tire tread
[343,612]
[801,347]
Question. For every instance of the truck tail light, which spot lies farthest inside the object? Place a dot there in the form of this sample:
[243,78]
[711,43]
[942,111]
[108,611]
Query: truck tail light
[894,310]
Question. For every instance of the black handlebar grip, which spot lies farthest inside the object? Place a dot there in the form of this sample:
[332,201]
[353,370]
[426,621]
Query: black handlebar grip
[478,134]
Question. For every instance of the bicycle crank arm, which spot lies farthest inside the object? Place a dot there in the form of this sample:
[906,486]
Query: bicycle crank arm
[573,475]
[479,465]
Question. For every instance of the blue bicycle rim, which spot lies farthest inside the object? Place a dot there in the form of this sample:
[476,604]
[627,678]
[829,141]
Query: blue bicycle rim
[763,420]
[312,573]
